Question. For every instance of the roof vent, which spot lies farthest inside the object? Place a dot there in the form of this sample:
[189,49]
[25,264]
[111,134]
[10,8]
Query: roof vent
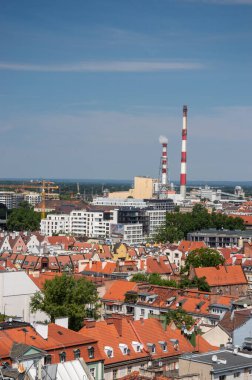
[214,358]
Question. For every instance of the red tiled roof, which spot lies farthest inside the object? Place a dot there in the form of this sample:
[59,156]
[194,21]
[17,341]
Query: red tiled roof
[159,265]
[222,275]
[100,267]
[40,278]
[188,246]
[118,289]
[151,331]
[203,346]
[111,333]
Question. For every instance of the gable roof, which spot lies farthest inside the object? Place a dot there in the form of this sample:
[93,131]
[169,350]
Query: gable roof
[118,289]
[222,275]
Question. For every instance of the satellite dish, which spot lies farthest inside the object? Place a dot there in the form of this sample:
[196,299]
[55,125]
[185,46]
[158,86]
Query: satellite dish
[245,306]
[214,358]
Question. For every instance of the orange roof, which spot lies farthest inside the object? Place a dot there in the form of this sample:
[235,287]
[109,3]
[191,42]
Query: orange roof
[118,289]
[159,265]
[59,339]
[151,331]
[203,346]
[222,275]
[188,246]
[100,267]
[40,278]
[111,333]
[66,241]
[247,219]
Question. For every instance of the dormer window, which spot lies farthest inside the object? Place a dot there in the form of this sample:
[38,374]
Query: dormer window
[124,348]
[109,351]
[137,346]
[91,352]
[163,345]
[151,348]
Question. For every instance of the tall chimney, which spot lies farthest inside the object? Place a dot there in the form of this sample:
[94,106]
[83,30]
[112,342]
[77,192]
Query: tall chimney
[164,142]
[164,164]
[183,155]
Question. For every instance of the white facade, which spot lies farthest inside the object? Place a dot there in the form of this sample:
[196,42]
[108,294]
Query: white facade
[32,198]
[11,199]
[79,222]
[90,223]
[156,220]
[16,290]
[117,202]
[55,224]
[133,233]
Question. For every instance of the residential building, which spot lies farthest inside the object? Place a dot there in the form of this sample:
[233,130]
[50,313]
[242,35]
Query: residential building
[16,291]
[55,224]
[129,345]
[226,279]
[219,238]
[11,199]
[217,365]
[32,198]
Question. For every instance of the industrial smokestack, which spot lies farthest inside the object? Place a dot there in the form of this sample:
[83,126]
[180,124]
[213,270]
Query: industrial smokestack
[183,155]
[164,141]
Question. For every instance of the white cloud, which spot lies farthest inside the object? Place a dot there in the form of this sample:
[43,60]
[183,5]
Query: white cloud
[103,66]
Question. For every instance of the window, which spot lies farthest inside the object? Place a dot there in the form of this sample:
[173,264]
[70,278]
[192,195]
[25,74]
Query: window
[91,352]
[62,357]
[129,369]
[48,359]
[114,374]
[92,371]
[222,377]
[76,354]
[237,374]
[151,312]
[142,312]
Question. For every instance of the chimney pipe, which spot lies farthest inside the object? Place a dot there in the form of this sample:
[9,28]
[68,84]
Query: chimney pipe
[164,163]
[183,155]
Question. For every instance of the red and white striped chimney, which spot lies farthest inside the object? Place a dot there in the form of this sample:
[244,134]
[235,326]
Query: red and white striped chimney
[183,155]
[164,141]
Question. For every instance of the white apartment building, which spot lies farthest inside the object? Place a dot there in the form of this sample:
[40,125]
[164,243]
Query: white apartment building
[80,222]
[100,224]
[91,223]
[133,233]
[11,199]
[156,220]
[32,198]
[55,224]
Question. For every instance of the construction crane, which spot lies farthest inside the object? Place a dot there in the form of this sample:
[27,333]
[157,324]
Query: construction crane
[44,186]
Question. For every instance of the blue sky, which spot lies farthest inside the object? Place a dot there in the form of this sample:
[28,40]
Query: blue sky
[87,87]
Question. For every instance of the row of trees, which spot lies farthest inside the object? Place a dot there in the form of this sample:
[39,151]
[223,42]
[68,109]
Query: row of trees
[178,225]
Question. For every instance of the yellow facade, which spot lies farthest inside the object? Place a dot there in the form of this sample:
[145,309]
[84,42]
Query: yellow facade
[143,189]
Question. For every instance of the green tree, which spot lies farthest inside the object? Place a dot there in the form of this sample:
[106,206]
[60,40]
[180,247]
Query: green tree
[140,277]
[197,282]
[180,318]
[66,296]
[23,218]
[203,257]
[178,225]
